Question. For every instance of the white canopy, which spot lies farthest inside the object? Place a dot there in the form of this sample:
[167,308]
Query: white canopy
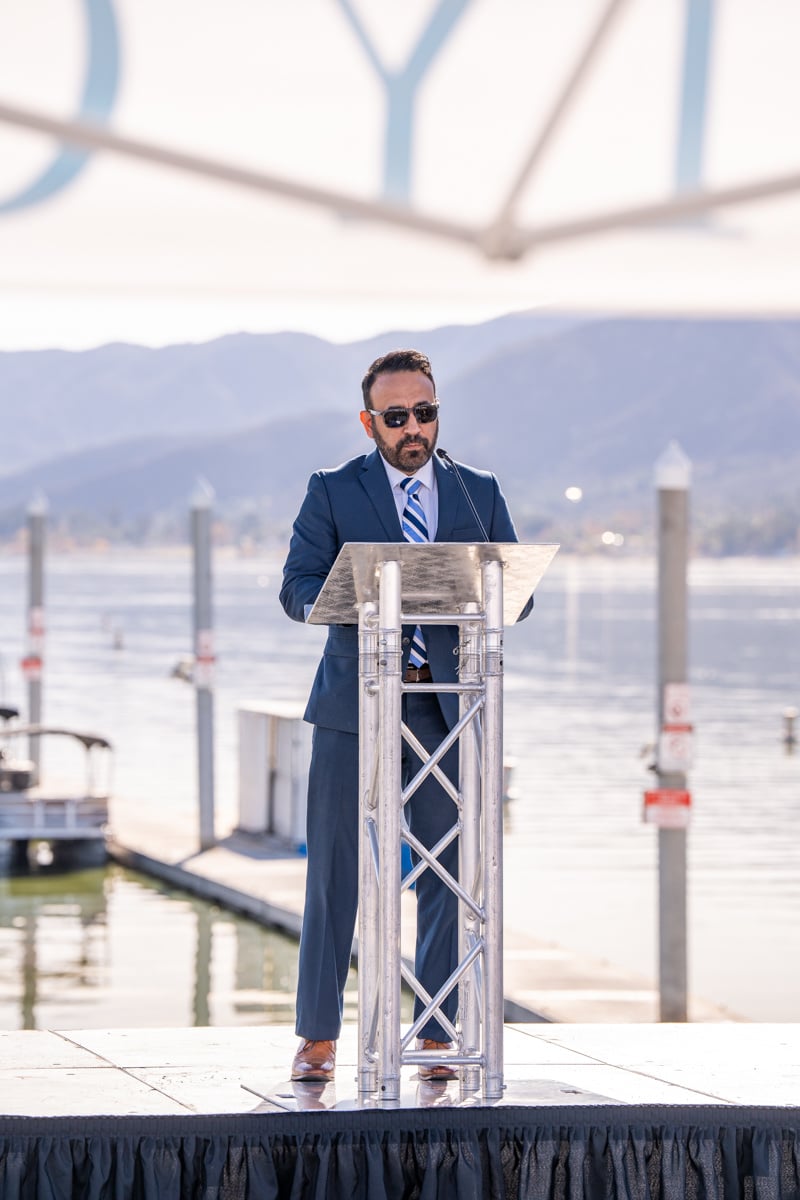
[384,162]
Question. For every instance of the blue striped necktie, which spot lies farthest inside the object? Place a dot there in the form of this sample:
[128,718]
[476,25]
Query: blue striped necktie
[415,529]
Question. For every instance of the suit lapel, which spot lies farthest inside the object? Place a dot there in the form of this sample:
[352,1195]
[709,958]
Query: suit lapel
[375,482]
[449,497]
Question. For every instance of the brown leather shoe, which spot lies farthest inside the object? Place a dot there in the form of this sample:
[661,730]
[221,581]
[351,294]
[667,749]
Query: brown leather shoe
[441,1072]
[315,1060]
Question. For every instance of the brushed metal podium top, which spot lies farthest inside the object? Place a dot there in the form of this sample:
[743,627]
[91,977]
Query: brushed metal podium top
[437,577]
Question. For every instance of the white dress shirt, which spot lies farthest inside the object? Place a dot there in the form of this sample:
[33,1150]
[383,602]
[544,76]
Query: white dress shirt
[427,495]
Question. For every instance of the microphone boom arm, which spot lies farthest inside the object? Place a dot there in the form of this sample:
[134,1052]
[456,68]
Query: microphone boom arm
[445,457]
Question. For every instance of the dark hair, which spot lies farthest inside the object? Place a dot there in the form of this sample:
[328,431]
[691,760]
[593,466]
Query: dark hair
[396,360]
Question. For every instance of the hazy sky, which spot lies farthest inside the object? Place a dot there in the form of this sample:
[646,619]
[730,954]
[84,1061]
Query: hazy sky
[134,252]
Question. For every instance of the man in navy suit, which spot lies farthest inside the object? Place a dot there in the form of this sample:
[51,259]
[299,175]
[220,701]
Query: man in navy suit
[364,500]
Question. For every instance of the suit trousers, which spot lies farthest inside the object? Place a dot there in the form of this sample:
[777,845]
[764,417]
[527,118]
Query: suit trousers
[332,876]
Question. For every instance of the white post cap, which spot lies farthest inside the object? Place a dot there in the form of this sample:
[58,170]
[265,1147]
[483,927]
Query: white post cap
[673,470]
[203,494]
[38,505]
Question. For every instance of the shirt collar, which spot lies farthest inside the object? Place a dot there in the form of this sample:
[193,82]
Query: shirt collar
[424,474]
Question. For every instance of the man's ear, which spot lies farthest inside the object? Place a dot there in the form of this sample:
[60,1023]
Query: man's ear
[366,421]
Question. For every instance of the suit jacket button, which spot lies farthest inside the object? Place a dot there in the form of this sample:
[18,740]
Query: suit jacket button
[406,641]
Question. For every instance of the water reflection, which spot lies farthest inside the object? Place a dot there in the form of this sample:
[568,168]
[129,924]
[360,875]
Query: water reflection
[34,911]
[108,948]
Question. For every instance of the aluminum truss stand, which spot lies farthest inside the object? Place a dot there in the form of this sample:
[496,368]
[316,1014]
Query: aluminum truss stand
[479,588]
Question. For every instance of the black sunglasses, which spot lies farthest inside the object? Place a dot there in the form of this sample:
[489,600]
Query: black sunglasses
[396,418]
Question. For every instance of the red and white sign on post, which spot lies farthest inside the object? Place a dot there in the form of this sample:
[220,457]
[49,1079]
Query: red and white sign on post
[676,739]
[31,666]
[675,749]
[676,704]
[32,662]
[36,622]
[204,659]
[668,808]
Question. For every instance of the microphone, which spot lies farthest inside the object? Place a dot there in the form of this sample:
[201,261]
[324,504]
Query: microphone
[445,457]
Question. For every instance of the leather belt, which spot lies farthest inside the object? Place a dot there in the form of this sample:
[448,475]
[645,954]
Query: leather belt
[418,674]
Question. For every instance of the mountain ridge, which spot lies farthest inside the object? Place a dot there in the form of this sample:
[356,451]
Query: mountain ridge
[584,402]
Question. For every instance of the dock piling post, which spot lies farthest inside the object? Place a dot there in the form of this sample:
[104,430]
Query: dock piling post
[204,659]
[672,477]
[32,663]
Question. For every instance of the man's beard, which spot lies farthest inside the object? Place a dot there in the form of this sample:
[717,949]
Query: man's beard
[403,457]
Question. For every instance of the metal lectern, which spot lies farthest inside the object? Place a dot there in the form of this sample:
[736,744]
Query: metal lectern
[480,588]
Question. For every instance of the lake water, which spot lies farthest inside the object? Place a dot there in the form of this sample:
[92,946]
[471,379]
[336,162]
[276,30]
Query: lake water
[579,709]
[107,948]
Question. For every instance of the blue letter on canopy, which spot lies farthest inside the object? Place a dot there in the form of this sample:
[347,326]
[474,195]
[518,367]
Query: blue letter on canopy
[97,101]
[401,88]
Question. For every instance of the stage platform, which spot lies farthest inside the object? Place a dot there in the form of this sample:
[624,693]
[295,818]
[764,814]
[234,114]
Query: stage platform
[597,1111]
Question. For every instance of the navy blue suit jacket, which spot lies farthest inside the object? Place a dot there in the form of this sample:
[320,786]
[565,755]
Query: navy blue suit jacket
[354,503]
